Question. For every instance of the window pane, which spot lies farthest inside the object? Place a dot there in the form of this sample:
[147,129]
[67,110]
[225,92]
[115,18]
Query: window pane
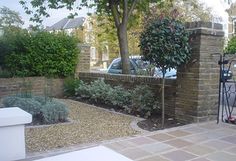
[116,65]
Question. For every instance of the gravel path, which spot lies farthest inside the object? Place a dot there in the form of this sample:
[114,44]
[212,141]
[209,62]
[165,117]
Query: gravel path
[89,124]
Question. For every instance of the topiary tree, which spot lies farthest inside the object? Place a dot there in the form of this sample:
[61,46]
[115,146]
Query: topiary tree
[165,43]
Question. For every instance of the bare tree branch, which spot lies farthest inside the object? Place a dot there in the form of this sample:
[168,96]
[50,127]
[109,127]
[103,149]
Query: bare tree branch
[132,8]
[115,13]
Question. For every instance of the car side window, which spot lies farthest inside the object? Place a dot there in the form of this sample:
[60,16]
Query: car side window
[116,65]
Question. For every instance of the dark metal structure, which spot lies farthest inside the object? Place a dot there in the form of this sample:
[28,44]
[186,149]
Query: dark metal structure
[227,91]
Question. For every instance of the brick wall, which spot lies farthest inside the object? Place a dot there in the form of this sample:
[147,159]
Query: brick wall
[197,90]
[39,85]
[130,81]
[84,58]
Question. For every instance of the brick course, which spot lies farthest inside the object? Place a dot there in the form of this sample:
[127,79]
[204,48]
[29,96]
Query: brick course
[10,86]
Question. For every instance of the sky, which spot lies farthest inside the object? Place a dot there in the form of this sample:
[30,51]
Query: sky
[57,15]
[218,9]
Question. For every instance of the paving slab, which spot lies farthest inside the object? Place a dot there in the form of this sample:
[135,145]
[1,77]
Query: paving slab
[154,158]
[221,156]
[179,133]
[196,138]
[200,159]
[194,130]
[135,153]
[231,150]
[196,142]
[162,137]
[218,144]
[199,149]
[156,147]
[230,139]
[178,143]
[141,141]
[119,146]
[179,155]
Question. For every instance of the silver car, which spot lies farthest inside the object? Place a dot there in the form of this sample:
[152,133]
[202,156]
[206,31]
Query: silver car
[140,67]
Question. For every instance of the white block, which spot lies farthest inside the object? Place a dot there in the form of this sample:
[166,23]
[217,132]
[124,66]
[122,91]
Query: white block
[99,153]
[12,133]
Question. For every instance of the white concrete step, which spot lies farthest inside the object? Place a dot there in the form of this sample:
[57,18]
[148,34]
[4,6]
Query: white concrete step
[99,153]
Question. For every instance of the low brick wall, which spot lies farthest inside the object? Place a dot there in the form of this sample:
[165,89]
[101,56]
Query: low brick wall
[37,85]
[130,81]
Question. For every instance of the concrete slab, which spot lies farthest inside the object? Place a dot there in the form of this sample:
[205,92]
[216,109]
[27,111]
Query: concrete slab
[99,153]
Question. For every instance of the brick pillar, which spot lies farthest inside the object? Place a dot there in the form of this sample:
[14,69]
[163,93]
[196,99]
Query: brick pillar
[197,82]
[84,59]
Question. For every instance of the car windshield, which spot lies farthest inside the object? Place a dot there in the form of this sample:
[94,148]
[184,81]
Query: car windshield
[141,64]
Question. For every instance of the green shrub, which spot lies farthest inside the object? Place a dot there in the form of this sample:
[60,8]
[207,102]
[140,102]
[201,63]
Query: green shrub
[119,96]
[39,54]
[143,101]
[83,90]
[70,84]
[42,109]
[54,112]
[9,101]
[99,91]
[231,46]
[5,74]
[140,101]
[41,99]
[27,104]
[13,40]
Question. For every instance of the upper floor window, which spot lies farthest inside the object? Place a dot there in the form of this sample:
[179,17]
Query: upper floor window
[234,24]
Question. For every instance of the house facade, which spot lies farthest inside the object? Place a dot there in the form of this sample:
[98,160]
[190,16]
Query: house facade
[232,20]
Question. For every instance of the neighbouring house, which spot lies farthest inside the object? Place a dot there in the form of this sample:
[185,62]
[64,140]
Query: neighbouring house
[232,19]
[224,12]
[219,11]
[82,27]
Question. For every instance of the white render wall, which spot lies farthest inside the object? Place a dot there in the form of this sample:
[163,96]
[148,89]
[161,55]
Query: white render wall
[12,133]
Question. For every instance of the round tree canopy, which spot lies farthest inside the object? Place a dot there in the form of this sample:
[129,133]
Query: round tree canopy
[165,43]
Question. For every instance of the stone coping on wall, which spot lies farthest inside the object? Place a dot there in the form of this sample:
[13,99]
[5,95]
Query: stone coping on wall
[202,24]
[127,78]
[205,28]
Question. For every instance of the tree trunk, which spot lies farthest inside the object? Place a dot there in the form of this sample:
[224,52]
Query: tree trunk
[163,99]
[123,44]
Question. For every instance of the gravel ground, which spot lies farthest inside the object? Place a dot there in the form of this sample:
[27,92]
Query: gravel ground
[89,124]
